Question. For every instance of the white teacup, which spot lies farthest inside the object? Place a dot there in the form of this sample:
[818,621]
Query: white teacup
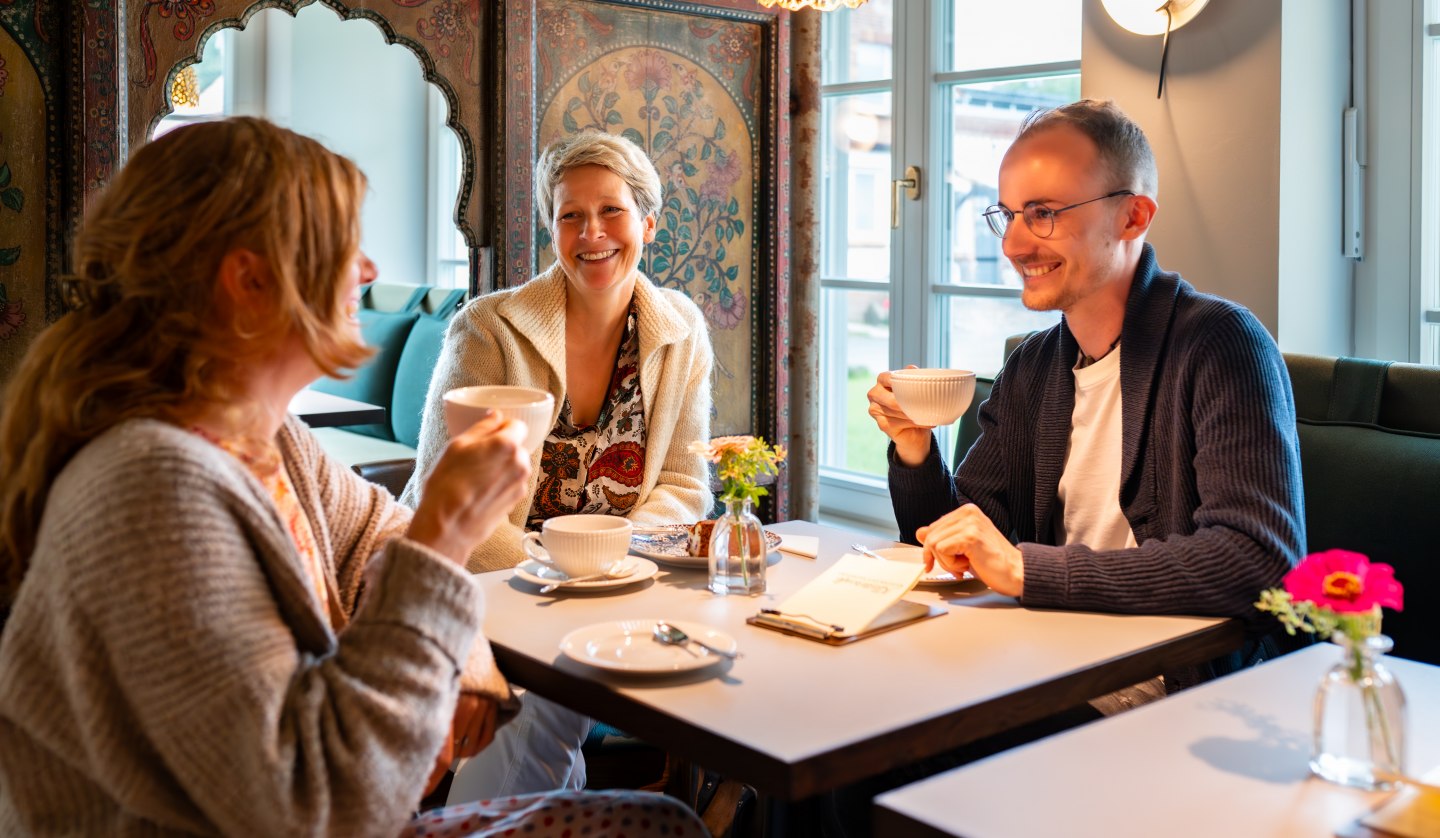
[933,397]
[464,406]
[579,545]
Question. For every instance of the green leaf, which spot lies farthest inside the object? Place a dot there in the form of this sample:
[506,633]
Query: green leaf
[662,141]
[633,136]
[662,236]
[719,129]
[570,124]
[9,255]
[693,196]
[734,206]
[610,99]
[690,170]
[668,123]
[612,118]
[705,152]
[585,83]
[732,272]
[13,198]
[739,225]
[720,254]
[686,215]
[4,175]
[660,264]
[670,104]
[690,272]
[683,249]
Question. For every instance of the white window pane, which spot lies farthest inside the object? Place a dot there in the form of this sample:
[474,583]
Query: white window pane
[1013,34]
[974,329]
[855,199]
[857,43]
[984,120]
[855,336]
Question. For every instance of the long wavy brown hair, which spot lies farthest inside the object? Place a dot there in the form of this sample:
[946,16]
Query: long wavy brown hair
[146,338]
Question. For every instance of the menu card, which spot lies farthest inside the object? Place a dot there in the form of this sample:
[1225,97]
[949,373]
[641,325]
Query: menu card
[1411,813]
[855,596]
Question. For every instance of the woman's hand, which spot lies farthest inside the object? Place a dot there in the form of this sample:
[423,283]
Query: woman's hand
[912,442]
[472,729]
[479,477]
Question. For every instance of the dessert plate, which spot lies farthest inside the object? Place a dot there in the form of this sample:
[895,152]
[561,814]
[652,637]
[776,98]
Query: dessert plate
[534,572]
[934,578]
[670,544]
[629,646]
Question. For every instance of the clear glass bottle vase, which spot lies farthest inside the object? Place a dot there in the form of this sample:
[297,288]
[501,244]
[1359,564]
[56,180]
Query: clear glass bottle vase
[737,551]
[1359,718]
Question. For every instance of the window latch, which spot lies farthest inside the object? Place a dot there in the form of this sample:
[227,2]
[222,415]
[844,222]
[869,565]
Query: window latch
[911,182]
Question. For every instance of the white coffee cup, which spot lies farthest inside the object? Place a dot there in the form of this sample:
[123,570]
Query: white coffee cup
[579,545]
[464,406]
[933,397]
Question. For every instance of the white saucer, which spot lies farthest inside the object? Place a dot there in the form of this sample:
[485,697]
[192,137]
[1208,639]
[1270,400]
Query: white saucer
[534,572]
[935,578]
[630,646]
[669,544]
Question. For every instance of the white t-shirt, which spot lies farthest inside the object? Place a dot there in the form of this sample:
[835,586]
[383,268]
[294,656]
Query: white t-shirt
[1090,485]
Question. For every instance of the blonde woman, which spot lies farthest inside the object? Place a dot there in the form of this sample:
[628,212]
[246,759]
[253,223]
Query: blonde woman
[627,362]
[216,629]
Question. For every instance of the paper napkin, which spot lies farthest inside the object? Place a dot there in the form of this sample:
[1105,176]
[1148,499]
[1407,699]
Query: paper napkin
[801,545]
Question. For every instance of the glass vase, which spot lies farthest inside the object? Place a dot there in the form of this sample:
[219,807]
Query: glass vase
[737,551]
[1359,718]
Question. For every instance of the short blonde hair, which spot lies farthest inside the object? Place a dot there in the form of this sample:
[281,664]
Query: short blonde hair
[147,339]
[595,148]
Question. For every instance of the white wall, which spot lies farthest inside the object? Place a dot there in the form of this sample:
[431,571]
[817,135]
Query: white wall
[367,100]
[1246,138]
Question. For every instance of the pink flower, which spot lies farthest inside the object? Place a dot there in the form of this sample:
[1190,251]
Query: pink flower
[648,68]
[724,173]
[12,317]
[1344,582]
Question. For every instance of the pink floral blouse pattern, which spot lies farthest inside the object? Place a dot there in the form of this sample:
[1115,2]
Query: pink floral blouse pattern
[264,463]
[599,468]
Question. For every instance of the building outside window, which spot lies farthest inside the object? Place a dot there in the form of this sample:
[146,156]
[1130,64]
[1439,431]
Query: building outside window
[942,85]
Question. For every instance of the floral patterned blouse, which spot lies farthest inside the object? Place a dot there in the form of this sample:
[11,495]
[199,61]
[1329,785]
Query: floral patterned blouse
[264,463]
[599,468]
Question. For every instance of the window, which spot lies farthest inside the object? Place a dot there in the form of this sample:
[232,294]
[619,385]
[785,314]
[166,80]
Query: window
[199,92]
[1430,185]
[942,86]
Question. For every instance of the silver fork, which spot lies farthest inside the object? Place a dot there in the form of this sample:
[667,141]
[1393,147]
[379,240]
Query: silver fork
[866,551]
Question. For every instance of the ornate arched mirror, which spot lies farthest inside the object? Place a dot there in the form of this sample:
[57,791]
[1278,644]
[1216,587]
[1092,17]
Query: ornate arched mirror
[394,85]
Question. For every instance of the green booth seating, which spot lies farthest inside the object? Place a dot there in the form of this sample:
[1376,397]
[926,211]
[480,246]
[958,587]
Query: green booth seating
[1370,456]
[406,325]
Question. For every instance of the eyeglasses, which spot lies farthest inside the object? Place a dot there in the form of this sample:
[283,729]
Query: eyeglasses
[1038,217]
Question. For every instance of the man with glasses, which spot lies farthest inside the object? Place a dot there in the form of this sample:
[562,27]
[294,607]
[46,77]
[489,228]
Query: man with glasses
[1138,457]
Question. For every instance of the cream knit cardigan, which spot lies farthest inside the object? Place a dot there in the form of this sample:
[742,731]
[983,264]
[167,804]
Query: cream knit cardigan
[517,336]
[166,670]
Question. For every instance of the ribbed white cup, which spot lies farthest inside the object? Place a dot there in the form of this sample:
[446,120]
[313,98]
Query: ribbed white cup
[933,397]
[464,406]
[579,545]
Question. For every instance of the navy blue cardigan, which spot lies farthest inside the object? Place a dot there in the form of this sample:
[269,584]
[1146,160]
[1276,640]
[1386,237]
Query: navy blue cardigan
[1210,481]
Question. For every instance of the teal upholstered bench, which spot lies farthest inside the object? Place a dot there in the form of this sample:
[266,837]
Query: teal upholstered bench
[406,325]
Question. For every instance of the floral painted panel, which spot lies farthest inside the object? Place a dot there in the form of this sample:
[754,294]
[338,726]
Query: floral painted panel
[689,90]
[22,203]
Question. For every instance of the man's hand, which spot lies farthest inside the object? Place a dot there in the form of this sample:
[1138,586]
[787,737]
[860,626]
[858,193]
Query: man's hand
[912,442]
[966,540]
[471,730]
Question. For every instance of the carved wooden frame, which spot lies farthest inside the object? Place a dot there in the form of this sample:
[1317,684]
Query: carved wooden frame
[766,382]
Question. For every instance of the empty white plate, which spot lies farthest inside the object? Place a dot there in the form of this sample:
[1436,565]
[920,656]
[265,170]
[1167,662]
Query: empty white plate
[630,646]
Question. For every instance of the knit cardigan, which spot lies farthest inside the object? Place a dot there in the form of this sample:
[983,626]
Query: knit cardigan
[1210,473]
[166,669]
[517,336]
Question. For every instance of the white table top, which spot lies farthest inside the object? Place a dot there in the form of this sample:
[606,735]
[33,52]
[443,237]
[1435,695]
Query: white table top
[1226,758]
[795,717]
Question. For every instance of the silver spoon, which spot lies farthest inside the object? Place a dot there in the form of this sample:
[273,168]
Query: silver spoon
[618,570]
[672,636]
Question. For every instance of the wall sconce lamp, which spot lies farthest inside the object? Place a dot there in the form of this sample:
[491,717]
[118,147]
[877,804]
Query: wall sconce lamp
[817,5]
[1143,18]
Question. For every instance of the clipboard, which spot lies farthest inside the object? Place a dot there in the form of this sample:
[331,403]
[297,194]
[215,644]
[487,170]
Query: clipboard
[902,613]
